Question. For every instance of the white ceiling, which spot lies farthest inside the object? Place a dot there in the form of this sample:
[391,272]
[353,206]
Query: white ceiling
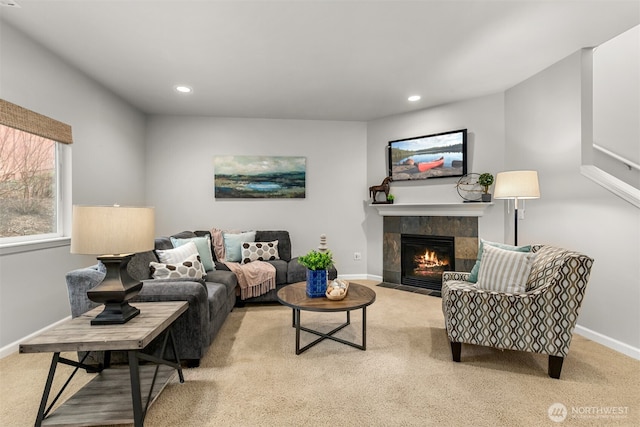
[332,60]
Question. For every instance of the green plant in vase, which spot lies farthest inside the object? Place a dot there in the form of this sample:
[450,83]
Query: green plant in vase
[317,264]
[485,180]
[390,198]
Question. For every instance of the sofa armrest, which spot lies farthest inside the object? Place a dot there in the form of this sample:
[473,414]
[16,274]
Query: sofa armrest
[191,330]
[78,283]
[455,275]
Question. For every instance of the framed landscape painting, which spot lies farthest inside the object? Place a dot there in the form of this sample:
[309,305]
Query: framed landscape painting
[259,177]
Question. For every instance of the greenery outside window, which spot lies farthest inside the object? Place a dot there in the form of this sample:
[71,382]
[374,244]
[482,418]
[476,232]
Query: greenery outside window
[32,149]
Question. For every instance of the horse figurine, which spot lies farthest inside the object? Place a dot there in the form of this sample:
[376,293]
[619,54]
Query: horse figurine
[382,188]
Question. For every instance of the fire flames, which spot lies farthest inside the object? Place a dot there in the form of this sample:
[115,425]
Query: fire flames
[429,260]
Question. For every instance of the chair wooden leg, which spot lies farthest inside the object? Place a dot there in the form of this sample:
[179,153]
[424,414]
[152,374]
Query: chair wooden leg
[455,350]
[555,366]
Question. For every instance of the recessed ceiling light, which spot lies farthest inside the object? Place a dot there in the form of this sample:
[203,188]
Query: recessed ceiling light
[183,89]
[414,98]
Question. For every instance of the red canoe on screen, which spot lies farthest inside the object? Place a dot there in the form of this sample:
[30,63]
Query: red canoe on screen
[425,166]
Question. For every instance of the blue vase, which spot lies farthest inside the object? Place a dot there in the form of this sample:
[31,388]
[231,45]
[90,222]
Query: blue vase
[316,283]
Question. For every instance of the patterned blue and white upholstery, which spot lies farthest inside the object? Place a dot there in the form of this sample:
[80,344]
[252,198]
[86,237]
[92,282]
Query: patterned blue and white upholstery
[540,320]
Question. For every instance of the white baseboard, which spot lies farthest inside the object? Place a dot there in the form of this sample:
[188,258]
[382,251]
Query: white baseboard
[15,346]
[360,277]
[608,342]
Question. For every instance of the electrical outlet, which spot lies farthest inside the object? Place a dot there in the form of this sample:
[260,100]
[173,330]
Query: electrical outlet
[357,256]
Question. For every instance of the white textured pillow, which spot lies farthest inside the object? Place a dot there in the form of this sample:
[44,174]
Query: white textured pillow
[191,269]
[259,251]
[177,255]
[504,271]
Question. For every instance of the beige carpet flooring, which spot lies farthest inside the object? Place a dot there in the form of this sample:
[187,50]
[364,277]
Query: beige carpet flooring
[252,377]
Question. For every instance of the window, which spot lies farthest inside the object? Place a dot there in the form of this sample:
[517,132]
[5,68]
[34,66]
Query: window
[28,184]
[30,175]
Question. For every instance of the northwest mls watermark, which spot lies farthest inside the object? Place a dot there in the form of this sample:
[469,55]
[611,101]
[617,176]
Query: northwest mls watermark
[557,412]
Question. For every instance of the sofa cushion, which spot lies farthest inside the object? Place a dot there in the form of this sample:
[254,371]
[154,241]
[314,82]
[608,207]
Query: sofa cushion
[217,297]
[189,269]
[282,267]
[473,277]
[163,243]
[259,251]
[138,267]
[283,238]
[504,270]
[233,242]
[224,277]
[203,244]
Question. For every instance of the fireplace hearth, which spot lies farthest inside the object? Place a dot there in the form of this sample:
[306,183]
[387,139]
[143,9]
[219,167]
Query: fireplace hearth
[425,258]
[462,229]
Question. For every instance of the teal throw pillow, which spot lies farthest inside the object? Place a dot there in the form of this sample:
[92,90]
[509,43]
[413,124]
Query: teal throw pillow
[473,276]
[233,244]
[203,244]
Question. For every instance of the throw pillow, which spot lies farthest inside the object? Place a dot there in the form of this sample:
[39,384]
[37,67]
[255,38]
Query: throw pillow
[504,270]
[473,276]
[203,244]
[189,269]
[233,243]
[259,251]
[177,255]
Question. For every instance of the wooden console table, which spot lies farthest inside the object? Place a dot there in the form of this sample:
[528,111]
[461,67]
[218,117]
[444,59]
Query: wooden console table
[115,395]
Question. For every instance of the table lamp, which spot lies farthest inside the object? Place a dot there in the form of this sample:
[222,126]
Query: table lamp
[115,233]
[517,185]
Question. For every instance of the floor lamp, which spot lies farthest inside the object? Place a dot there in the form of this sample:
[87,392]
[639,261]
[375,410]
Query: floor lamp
[517,185]
[115,233]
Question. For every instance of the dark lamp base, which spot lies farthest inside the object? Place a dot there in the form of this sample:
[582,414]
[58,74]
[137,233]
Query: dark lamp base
[114,291]
[115,313]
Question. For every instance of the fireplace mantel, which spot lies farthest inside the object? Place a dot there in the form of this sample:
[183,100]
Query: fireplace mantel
[431,209]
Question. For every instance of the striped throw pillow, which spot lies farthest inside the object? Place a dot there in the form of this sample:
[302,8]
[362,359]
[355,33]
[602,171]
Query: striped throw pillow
[504,271]
[177,255]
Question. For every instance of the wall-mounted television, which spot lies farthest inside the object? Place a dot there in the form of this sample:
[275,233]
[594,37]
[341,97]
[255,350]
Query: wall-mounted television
[440,155]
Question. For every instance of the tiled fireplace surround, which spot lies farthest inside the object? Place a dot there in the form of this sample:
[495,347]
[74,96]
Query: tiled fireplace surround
[464,230]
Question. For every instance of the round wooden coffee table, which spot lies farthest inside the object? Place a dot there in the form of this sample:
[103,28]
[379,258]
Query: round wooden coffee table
[358,297]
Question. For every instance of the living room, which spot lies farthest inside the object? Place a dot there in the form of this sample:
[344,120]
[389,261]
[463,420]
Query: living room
[124,155]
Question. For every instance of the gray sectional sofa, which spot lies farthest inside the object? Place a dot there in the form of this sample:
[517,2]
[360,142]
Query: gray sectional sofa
[209,301]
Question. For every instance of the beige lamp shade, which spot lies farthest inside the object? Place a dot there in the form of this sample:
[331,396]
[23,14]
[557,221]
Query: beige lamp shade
[110,230]
[517,185]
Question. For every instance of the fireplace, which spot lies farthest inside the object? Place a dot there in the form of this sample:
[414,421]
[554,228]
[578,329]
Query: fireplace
[424,258]
[462,229]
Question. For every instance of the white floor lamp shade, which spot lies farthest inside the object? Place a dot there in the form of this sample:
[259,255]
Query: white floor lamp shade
[517,185]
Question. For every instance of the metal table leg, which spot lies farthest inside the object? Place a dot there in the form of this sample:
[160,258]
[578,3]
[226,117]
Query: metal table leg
[329,335]
[136,398]
[47,389]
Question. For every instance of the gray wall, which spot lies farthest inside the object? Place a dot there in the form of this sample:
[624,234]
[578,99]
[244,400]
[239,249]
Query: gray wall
[484,120]
[543,130]
[180,153]
[108,166]
[616,104]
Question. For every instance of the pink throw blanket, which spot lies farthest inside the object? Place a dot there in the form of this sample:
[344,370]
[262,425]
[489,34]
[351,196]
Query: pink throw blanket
[255,278]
